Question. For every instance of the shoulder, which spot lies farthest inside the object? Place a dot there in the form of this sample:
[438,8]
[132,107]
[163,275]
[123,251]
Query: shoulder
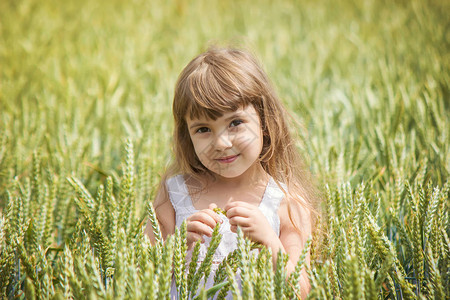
[168,187]
[174,182]
[164,210]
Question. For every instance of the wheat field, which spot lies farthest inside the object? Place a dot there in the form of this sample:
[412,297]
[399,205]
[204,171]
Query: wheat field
[85,132]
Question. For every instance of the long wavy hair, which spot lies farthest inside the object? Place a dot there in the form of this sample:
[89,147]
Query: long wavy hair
[223,80]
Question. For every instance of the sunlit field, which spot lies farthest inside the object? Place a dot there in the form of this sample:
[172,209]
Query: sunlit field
[85,131]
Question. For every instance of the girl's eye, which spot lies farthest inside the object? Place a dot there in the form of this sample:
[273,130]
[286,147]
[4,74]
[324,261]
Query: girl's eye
[202,130]
[235,123]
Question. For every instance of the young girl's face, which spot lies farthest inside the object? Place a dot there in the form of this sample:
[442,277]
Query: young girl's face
[230,145]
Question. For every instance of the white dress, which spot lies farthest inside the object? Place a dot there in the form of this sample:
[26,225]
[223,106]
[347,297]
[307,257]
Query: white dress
[182,204]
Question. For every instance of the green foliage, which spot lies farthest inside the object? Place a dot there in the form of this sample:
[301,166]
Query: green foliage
[83,80]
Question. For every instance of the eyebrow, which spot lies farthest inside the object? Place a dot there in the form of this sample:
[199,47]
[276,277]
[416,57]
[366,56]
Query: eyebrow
[233,116]
[197,124]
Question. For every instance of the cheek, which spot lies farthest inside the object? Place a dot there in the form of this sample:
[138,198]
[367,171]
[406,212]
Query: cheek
[249,139]
[201,147]
[244,141]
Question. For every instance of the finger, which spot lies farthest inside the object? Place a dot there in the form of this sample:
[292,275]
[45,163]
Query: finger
[229,205]
[240,221]
[233,228]
[238,211]
[213,207]
[204,216]
[213,215]
[193,237]
[199,228]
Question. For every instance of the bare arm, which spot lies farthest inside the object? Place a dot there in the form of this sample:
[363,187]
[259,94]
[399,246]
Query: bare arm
[165,215]
[292,240]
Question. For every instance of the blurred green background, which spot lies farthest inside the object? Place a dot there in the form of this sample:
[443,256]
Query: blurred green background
[367,79]
[77,77]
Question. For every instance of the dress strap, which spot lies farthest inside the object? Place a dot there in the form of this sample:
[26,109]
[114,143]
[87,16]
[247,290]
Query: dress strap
[271,202]
[179,194]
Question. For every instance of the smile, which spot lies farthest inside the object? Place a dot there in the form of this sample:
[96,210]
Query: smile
[227,159]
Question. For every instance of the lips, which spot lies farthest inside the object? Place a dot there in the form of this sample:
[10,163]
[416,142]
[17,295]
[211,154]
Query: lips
[227,159]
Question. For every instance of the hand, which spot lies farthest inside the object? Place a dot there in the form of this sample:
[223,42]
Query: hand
[201,223]
[252,221]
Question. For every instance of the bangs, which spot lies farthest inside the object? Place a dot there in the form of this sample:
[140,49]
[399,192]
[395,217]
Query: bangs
[210,91]
[212,108]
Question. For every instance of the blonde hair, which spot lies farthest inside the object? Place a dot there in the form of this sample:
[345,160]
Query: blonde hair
[223,80]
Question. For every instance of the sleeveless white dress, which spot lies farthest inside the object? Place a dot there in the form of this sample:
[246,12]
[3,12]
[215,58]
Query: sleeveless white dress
[183,206]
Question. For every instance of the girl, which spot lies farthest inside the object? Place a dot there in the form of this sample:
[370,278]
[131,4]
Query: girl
[233,150]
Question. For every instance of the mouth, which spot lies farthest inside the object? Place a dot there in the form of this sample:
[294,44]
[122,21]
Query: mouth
[227,159]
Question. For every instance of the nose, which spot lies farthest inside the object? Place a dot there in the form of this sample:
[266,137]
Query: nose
[223,141]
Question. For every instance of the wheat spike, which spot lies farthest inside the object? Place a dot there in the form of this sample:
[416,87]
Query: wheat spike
[155,225]
[353,288]
[294,277]
[164,271]
[280,275]
[233,283]
[180,260]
